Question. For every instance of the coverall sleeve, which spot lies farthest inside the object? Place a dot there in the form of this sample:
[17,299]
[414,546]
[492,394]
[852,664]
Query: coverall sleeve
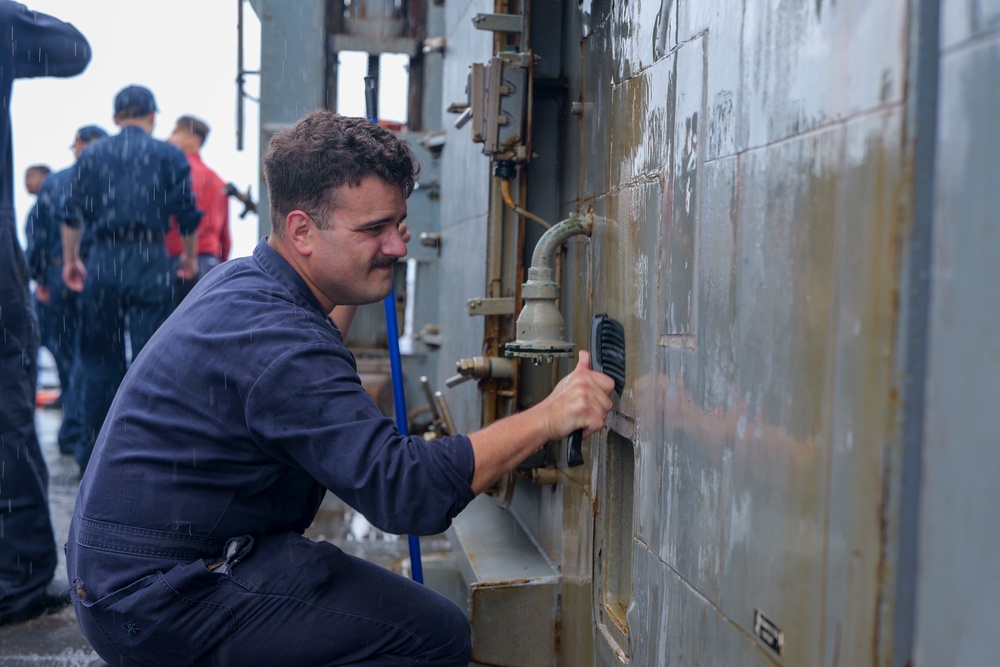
[43,45]
[77,204]
[59,210]
[309,410]
[36,237]
[180,193]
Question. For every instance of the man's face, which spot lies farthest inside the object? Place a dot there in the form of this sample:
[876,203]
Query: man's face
[353,258]
[33,181]
[184,140]
[78,147]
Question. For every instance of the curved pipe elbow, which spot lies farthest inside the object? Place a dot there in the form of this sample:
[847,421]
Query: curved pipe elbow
[549,244]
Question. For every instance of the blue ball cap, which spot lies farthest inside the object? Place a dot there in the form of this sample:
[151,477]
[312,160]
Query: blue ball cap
[89,133]
[134,101]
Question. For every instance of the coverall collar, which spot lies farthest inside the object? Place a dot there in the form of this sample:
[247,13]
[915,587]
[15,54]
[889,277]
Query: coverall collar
[275,265]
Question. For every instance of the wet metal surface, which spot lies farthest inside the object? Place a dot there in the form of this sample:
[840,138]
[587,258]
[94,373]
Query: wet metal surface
[750,161]
[772,310]
[508,578]
[959,578]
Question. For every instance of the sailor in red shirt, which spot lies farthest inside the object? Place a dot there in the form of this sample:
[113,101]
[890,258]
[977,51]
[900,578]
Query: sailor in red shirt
[214,241]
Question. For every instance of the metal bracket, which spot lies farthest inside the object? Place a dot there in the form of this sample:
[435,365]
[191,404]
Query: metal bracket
[499,22]
[485,306]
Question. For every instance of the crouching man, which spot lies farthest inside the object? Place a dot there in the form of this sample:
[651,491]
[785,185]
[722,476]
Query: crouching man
[186,544]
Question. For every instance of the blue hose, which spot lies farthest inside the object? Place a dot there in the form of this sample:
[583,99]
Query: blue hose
[395,363]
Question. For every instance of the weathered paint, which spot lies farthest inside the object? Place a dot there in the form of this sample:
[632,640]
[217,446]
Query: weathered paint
[753,169]
[959,577]
[749,180]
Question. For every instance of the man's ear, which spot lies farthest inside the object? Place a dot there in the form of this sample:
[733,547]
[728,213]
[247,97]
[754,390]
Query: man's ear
[299,232]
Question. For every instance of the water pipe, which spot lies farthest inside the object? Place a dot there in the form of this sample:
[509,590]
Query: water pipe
[395,363]
[540,331]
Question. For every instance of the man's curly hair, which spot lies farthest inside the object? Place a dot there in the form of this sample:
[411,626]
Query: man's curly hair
[305,164]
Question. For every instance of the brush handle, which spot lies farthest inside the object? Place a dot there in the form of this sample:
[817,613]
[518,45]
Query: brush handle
[574,449]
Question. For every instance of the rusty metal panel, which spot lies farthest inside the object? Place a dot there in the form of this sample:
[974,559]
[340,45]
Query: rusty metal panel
[867,223]
[747,162]
[641,115]
[958,582]
[774,535]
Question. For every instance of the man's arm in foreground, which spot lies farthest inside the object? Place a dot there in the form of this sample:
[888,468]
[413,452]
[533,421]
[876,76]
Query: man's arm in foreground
[581,400]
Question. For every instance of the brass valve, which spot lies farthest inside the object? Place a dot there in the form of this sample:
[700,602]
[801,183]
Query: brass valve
[481,368]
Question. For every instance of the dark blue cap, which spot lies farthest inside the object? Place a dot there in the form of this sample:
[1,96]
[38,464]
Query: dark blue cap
[134,101]
[89,133]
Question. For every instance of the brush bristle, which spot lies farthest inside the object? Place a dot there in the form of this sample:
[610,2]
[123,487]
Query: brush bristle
[610,351]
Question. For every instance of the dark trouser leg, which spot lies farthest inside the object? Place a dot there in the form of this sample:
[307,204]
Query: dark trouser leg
[102,348]
[58,328]
[72,433]
[290,601]
[64,323]
[128,288]
[332,608]
[43,315]
[149,300]
[27,547]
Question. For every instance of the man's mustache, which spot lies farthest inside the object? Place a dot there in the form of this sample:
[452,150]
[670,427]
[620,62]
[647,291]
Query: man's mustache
[384,262]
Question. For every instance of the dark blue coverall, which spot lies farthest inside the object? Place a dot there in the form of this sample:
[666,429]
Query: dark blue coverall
[33,45]
[59,319]
[186,542]
[125,188]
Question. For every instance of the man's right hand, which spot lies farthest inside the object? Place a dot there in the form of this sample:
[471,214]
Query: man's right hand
[74,275]
[42,293]
[581,400]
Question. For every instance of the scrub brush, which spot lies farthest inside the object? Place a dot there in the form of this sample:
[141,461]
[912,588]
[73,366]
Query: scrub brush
[607,355]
